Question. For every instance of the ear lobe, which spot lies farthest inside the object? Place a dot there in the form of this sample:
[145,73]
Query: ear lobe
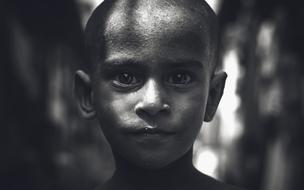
[216,90]
[83,94]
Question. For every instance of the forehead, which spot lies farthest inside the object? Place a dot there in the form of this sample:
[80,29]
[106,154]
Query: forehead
[156,26]
[150,15]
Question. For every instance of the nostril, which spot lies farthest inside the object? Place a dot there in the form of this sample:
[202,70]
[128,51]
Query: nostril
[152,101]
[142,114]
[143,110]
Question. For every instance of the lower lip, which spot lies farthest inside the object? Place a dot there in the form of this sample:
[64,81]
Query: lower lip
[153,137]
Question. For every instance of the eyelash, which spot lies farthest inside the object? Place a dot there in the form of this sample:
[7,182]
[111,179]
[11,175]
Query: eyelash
[185,79]
[133,80]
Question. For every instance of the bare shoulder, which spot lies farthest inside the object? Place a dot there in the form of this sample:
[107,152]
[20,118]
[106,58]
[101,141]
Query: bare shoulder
[206,182]
[198,181]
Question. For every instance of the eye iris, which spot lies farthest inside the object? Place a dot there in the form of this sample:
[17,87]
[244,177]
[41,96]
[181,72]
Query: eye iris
[181,79]
[125,78]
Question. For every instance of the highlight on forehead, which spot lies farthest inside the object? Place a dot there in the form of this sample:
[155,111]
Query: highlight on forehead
[115,15]
[148,15]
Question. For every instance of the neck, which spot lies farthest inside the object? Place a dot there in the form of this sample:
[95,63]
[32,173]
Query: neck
[130,176]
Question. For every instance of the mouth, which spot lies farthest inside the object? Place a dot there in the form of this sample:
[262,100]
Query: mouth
[150,138]
[149,132]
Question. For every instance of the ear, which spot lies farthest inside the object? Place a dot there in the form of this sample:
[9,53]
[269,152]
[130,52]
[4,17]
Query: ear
[216,90]
[83,94]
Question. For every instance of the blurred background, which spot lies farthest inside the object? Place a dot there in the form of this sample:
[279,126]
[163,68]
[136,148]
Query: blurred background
[255,141]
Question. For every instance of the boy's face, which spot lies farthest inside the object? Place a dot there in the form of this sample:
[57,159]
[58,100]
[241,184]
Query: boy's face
[150,91]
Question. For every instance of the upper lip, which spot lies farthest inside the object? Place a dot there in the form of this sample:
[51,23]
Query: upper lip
[148,130]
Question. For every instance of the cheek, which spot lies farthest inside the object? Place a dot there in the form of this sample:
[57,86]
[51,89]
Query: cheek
[112,108]
[189,114]
[122,108]
[190,107]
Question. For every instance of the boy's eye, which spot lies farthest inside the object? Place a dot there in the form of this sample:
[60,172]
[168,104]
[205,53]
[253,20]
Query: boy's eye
[126,80]
[180,79]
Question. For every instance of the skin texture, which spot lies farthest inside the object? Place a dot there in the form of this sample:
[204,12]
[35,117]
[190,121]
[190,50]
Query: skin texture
[148,47]
[152,85]
[156,13]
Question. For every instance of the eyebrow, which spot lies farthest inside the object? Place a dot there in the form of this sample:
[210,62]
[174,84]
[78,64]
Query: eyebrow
[110,65]
[131,63]
[121,62]
[183,63]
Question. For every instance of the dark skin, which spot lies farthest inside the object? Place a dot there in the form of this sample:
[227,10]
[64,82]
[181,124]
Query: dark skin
[178,175]
[150,89]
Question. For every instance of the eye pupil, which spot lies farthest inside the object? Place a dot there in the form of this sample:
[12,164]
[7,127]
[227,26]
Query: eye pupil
[181,78]
[125,78]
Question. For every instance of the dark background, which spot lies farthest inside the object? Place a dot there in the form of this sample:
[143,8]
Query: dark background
[45,145]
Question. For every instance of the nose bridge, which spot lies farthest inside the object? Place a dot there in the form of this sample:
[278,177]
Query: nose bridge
[151,101]
[152,94]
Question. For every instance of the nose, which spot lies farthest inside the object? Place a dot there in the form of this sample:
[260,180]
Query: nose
[152,100]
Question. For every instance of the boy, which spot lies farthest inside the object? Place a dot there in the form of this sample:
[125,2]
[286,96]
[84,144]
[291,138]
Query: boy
[151,83]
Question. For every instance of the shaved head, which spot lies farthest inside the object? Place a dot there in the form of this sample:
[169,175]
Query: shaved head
[153,68]
[146,23]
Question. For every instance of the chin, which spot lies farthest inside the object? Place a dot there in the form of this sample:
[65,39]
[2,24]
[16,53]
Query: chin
[153,164]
